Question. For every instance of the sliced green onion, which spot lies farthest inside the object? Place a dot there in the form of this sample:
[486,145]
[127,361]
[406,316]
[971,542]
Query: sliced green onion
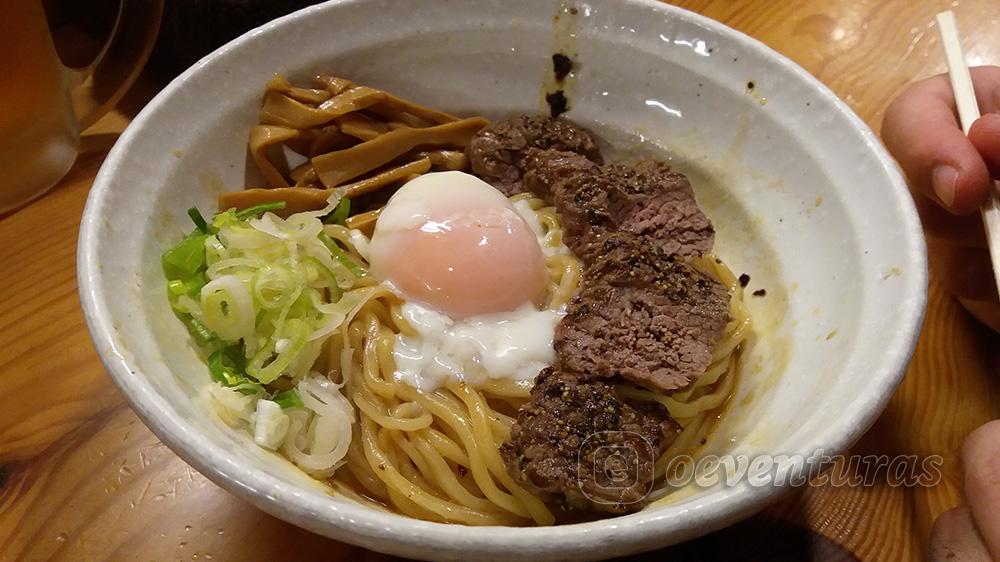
[342,256]
[248,387]
[259,209]
[273,286]
[235,355]
[340,212]
[227,366]
[222,219]
[186,258]
[260,300]
[176,288]
[295,331]
[216,367]
[190,286]
[330,276]
[198,220]
[227,308]
[288,399]
[203,335]
[302,306]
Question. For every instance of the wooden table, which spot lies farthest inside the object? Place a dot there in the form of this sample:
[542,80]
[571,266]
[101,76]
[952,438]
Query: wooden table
[81,478]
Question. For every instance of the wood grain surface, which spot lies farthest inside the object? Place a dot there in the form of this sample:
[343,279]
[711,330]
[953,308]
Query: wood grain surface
[81,478]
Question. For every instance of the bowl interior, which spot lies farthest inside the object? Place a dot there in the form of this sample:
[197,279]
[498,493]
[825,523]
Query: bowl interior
[803,198]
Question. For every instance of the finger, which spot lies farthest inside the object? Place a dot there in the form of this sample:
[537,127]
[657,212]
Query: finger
[940,224]
[985,136]
[954,538]
[922,131]
[987,312]
[965,272]
[981,465]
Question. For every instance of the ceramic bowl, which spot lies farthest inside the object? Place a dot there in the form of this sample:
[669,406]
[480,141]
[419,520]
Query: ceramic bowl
[803,196]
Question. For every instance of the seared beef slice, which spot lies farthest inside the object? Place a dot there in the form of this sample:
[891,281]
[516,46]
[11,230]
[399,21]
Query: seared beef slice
[648,200]
[642,314]
[579,445]
[497,152]
[544,169]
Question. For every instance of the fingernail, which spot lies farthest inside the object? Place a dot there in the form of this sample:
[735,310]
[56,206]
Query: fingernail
[943,178]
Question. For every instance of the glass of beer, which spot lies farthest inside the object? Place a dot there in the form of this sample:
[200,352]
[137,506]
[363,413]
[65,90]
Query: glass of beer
[44,105]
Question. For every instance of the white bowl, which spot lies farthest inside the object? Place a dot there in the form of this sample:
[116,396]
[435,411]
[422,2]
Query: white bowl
[803,195]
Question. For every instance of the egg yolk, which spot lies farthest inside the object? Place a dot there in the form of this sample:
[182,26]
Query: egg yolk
[456,244]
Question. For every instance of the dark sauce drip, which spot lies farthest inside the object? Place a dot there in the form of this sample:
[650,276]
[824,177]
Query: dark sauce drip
[565,26]
[562,66]
[558,104]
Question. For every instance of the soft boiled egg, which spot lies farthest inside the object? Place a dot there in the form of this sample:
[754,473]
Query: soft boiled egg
[453,243]
[471,269]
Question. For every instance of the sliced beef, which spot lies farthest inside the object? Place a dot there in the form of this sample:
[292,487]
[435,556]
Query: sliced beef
[642,314]
[497,152]
[544,169]
[649,200]
[576,443]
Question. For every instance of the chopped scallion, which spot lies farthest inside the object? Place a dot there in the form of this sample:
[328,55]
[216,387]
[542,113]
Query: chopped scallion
[200,332]
[288,399]
[248,387]
[234,353]
[228,366]
[259,209]
[340,212]
[326,272]
[199,221]
[342,256]
[216,367]
[186,258]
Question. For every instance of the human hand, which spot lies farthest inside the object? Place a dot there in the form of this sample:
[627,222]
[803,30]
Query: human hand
[972,532]
[951,175]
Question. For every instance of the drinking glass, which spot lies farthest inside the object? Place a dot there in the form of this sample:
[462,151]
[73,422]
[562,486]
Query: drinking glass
[44,105]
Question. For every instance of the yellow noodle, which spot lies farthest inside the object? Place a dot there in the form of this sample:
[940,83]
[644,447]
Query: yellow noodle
[446,446]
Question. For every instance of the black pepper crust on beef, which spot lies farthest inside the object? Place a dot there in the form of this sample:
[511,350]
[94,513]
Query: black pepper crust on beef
[643,315]
[544,169]
[648,200]
[496,153]
[577,444]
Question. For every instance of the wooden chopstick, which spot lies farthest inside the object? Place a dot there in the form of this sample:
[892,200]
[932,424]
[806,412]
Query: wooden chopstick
[968,112]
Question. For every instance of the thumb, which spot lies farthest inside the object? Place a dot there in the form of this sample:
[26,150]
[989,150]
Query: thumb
[954,538]
[985,136]
[981,463]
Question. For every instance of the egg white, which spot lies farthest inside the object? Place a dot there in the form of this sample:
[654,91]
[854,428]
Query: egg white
[512,345]
[509,345]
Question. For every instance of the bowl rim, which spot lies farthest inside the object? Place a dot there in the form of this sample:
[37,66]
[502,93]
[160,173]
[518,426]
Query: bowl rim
[391,532]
